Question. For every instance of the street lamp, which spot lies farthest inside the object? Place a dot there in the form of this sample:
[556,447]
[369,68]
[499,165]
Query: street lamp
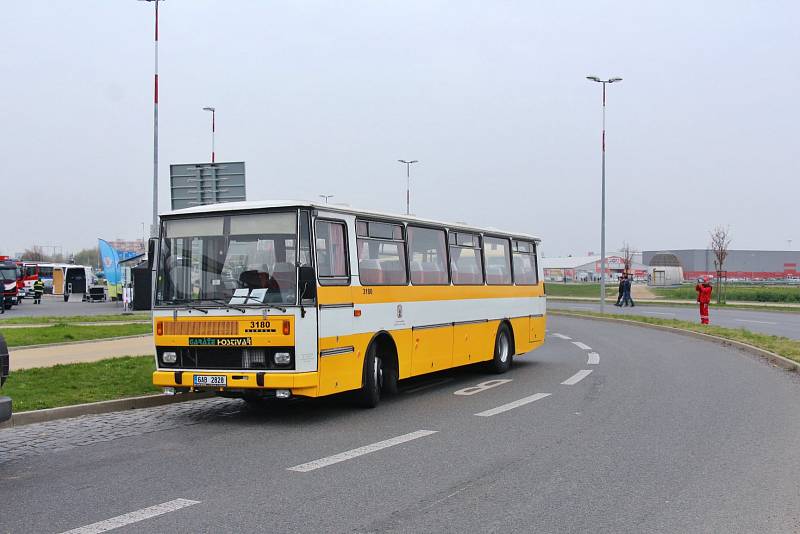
[154,227]
[213,130]
[408,165]
[603,209]
[326,197]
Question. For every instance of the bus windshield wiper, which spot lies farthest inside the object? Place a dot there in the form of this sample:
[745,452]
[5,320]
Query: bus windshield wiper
[227,305]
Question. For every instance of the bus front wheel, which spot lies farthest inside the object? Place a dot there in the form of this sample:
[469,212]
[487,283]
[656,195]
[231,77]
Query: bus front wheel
[370,393]
[502,351]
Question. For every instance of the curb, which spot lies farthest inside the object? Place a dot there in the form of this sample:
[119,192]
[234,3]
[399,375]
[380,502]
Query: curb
[82,342]
[94,408]
[777,359]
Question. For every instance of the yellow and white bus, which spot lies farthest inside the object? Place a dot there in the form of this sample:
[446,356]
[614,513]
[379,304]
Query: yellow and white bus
[281,299]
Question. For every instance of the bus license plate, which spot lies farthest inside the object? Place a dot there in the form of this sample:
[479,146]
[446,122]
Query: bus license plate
[210,380]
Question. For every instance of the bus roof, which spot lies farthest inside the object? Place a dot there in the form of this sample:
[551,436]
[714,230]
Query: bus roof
[271,204]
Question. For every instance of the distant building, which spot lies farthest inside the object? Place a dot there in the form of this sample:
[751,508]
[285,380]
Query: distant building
[587,268]
[739,265]
[664,269]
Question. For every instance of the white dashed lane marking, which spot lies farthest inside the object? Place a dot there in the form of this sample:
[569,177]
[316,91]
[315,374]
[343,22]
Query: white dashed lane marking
[483,386]
[512,405]
[133,517]
[561,336]
[577,377]
[580,345]
[594,359]
[360,451]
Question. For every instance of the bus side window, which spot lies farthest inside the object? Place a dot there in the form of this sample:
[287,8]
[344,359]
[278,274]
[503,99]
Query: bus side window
[331,241]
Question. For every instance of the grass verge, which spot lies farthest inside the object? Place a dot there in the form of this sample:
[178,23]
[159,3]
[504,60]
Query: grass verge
[788,348]
[77,383]
[76,319]
[779,294]
[63,333]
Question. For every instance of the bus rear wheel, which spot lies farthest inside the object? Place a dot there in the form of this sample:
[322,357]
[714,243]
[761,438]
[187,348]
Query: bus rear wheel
[503,355]
[370,393]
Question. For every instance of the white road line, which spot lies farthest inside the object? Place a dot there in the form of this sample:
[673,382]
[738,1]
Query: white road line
[658,313]
[133,517]
[512,405]
[594,359]
[562,336]
[577,377]
[580,345]
[753,321]
[483,386]
[360,451]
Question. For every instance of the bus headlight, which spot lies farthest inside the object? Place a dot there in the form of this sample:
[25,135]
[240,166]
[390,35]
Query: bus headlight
[282,358]
[169,357]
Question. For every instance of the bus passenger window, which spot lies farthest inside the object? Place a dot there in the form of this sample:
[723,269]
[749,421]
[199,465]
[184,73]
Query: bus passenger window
[498,261]
[381,256]
[525,273]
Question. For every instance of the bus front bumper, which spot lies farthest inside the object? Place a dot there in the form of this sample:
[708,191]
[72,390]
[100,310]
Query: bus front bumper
[300,384]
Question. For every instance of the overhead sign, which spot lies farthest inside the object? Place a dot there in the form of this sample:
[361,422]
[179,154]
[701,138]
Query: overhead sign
[198,184]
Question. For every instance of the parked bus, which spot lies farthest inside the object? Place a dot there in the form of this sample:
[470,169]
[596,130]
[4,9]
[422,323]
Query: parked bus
[263,299]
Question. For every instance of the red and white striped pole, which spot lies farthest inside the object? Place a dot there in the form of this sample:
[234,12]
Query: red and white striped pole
[154,226]
[213,131]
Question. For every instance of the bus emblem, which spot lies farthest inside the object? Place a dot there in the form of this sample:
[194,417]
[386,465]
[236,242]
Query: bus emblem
[399,311]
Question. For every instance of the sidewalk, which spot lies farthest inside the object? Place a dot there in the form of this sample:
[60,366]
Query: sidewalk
[88,351]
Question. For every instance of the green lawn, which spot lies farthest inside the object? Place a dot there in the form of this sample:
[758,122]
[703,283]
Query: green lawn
[788,348]
[738,293]
[77,383]
[62,333]
[559,289]
[74,319]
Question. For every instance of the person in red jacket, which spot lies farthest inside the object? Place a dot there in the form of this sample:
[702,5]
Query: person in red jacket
[704,290]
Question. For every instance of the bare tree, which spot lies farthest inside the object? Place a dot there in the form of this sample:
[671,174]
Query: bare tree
[627,256]
[720,241]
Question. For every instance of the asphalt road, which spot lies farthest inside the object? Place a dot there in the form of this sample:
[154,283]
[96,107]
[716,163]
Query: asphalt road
[665,434]
[55,306]
[785,324]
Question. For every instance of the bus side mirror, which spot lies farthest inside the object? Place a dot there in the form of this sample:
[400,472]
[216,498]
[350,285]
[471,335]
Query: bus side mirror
[152,249]
[308,283]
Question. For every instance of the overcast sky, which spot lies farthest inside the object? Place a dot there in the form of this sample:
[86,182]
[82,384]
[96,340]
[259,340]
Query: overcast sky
[491,97]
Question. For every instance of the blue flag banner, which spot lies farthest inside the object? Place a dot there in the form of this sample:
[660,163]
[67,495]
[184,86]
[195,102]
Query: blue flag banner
[110,259]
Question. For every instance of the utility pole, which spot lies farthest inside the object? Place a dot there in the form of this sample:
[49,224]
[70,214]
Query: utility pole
[603,195]
[213,130]
[408,165]
[154,227]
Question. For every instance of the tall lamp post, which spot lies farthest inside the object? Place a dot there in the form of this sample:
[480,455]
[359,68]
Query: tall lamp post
[326,197]
[154,227]
[603,209]
[408,165]
[213,131]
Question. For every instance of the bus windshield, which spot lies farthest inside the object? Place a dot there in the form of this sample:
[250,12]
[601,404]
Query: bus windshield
[204,260]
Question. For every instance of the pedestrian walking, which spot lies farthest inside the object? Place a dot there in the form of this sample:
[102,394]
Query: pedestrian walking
[38,289]
[626,293]
[621,290]
[704,290]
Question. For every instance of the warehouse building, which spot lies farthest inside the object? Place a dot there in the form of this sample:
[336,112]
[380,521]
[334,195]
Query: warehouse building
[742,265]
[587,268]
